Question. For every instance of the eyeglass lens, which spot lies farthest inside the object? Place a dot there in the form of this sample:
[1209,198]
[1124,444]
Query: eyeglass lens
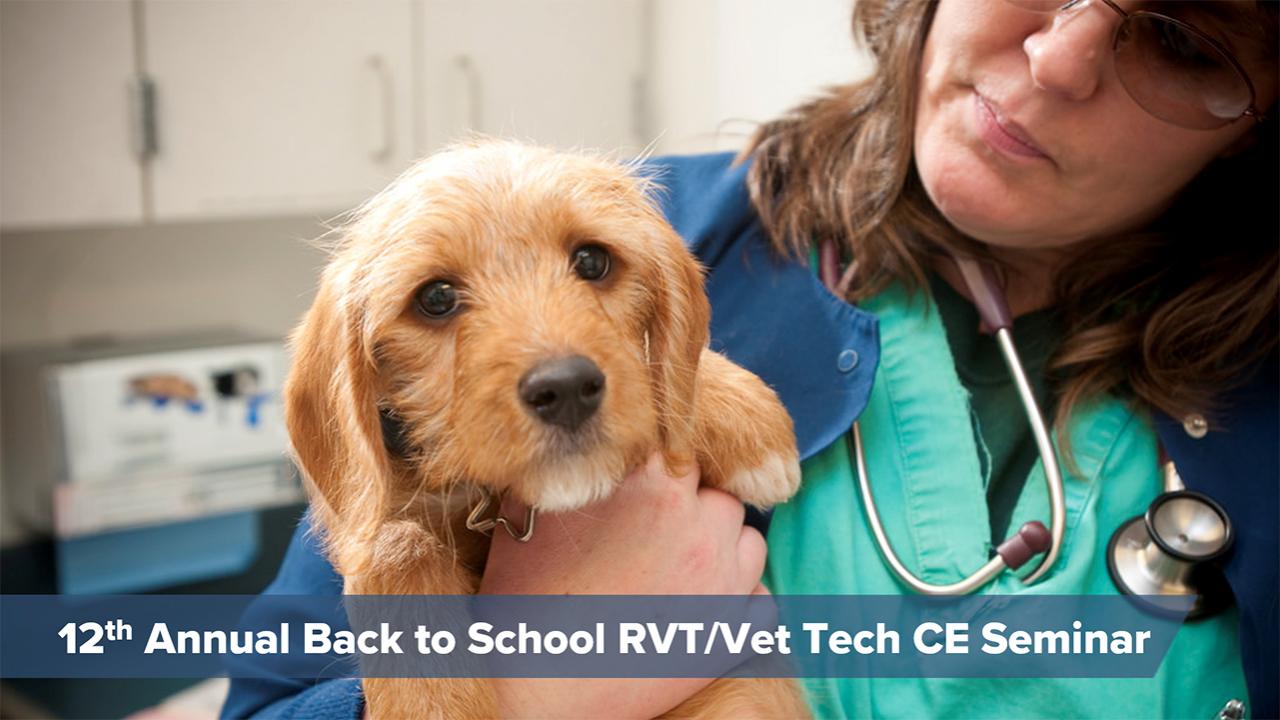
[1171,71]
[1176,75]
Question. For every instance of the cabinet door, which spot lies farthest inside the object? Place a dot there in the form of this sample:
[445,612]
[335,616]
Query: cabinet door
[277,107]
[560,72]
[65,69]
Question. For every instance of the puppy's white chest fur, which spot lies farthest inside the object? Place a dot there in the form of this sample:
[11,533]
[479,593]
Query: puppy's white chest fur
[576,482]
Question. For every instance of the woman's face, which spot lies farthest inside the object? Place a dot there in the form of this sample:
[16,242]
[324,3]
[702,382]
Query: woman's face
[1025,137]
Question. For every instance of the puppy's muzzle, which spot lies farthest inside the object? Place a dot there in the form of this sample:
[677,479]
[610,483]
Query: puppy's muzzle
[564,392]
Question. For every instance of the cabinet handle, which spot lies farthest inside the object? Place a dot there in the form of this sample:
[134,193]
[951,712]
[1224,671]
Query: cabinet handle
[142,100]
[386,95]
[471,88]
[639,109]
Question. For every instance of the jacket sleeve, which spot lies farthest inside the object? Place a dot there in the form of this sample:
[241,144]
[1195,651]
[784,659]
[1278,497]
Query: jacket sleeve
[704,198]
[304,573]
[1236,464]
[764,306]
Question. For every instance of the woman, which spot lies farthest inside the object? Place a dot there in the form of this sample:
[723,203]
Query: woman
[1125,191]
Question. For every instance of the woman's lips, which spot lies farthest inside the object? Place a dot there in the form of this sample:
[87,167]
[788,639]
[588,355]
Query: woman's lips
[1003,134]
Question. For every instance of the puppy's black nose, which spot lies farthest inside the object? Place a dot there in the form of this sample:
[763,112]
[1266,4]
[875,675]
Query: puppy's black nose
[563,392]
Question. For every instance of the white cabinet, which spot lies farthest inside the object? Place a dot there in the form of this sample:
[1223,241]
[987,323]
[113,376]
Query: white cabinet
[291,108]
[65,151]
[567,73]
[277,108]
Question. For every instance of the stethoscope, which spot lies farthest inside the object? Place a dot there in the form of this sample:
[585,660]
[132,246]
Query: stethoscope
[1172,549]
[1169,551]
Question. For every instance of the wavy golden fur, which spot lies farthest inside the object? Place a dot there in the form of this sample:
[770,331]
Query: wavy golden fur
[501,221]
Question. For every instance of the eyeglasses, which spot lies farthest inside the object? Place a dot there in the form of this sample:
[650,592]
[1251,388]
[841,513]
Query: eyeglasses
[1171,69]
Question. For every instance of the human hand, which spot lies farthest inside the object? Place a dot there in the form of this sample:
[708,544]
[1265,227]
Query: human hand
[655,535]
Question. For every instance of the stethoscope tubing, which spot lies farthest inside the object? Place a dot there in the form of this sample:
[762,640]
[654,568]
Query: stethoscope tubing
[991,306]
[1048,456]
[1039,430]
[984,575]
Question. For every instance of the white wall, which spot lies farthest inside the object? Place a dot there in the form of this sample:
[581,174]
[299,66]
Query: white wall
[719,67]
[257,275]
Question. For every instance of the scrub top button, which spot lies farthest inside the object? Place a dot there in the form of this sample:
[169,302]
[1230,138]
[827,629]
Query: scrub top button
[847,361]
[1195,425]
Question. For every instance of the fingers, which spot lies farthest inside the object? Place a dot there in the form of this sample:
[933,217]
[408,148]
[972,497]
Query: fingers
[655,473]
[752,552]
[722,510]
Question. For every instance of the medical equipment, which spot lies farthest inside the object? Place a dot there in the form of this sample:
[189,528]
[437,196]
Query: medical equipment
[1032,538]
[1170,550]
[145,460]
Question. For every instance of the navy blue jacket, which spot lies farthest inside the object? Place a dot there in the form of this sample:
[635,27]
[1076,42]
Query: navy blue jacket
[776,319]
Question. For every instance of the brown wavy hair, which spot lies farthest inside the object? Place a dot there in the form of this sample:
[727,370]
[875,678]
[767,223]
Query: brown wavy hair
[1171,315]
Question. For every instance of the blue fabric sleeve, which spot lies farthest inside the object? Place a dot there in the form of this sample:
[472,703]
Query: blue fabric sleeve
[704,198]
[1236,464]
[330,699]
[304,571]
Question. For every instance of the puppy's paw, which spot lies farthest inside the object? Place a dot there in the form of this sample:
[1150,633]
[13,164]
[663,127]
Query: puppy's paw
[746,436]
[765,470]
[769,483]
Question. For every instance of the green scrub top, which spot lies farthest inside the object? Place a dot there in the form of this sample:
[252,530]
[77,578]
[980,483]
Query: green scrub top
[925,475]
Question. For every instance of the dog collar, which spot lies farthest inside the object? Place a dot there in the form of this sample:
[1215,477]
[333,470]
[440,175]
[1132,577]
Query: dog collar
[478,523]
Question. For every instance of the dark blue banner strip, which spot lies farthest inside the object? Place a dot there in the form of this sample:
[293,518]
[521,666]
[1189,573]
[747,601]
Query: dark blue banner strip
[308,637]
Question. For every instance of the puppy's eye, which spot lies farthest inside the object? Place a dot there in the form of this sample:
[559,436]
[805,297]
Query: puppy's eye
[437,299]
[591,262]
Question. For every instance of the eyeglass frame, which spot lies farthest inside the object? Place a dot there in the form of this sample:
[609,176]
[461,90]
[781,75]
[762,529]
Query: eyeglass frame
[1251,111]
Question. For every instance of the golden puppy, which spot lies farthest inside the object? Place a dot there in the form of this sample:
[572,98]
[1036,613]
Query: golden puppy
[506,319]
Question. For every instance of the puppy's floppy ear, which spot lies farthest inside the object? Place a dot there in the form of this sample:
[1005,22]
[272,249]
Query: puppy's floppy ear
[677,336]
[331,408]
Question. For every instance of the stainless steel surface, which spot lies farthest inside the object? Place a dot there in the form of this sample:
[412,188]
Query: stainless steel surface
[1143,569]
[1048,458]
[1172,480]
[1190,526]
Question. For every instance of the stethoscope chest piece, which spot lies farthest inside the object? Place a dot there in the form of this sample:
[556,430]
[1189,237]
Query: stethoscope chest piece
[1171,551]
